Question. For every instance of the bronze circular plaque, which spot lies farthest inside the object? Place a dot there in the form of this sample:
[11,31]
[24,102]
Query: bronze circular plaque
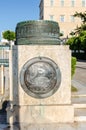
[40,77]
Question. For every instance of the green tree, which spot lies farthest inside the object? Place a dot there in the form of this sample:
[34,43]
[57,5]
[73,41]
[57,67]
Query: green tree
[72,33]
[70,42]
[83,40]
[79,29]
[78,42]
[75,43]
[9,35]
[81,15]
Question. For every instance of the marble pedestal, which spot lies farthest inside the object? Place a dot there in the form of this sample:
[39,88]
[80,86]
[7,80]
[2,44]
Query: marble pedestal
[27,109]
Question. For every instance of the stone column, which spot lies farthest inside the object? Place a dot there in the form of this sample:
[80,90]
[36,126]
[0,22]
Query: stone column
[10,107]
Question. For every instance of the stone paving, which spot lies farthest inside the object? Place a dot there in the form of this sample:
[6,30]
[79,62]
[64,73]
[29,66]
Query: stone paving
[66,126]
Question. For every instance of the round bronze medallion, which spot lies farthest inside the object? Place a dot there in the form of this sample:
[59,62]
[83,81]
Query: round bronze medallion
[40,77]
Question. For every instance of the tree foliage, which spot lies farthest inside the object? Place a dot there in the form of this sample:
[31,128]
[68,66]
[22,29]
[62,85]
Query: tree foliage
[78,40]
[81,15]
[83,40]
[75,43]
[9,35]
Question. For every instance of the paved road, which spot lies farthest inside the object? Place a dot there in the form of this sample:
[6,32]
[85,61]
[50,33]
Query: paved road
[79,79]
[80,74]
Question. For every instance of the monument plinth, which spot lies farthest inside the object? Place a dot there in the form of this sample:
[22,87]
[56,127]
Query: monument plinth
[40,81]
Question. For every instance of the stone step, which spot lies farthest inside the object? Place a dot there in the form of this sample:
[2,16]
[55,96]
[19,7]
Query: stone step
[79,100]
[80,112]
[79,105]
[78,95]
[80,118]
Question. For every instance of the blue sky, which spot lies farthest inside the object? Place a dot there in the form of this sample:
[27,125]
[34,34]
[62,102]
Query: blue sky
[14,11]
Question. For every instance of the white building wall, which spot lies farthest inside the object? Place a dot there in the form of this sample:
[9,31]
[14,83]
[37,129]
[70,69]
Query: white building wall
[63,14]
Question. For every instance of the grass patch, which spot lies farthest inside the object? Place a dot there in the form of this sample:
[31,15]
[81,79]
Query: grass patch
[74,89]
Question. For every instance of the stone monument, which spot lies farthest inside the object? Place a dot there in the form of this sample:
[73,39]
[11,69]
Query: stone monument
[40,75]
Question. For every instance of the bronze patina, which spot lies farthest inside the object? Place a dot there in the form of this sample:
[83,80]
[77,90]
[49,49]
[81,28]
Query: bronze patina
[40,77]
[37,32]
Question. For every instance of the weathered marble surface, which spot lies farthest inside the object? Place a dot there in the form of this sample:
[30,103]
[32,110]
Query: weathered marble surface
[61,56]
[56,108]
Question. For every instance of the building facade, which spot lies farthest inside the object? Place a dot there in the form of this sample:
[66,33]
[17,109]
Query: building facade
[62,11]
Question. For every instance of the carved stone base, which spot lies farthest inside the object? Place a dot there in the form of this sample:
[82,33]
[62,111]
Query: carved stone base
[43,114]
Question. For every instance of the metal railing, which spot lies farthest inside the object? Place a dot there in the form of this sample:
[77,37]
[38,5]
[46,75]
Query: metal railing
[4,62]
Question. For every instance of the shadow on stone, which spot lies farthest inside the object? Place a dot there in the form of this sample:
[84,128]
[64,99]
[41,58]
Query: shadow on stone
[3,113]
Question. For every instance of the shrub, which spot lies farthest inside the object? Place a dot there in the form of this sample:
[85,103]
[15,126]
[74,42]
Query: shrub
[73,66]
[74,89]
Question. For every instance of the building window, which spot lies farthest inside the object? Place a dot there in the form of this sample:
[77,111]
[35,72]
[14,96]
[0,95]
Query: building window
[62,18]
[83,3]
[72,3]
[62,3]
[51,17]
[72,19]
[51,2]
